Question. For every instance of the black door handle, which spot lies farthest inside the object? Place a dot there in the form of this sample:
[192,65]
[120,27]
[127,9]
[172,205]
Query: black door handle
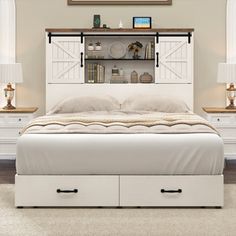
[67,191]
[157,54]
[171,191]
[81,59]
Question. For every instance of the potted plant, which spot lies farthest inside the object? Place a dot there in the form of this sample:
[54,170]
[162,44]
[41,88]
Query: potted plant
[135,48]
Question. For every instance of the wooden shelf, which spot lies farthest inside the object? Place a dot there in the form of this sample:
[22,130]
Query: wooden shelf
[218,110]
[124,30]
[20,110]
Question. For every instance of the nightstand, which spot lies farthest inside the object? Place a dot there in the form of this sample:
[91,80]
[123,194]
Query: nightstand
[224,120]
[11,123]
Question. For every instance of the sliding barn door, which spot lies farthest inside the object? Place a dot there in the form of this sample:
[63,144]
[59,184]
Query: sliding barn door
[174,63]
[65,61]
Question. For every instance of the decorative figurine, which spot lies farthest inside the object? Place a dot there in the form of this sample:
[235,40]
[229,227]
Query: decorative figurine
[135,48]
[120,25]
[98,46]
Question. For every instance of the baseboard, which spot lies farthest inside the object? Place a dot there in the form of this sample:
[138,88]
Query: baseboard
[7,156]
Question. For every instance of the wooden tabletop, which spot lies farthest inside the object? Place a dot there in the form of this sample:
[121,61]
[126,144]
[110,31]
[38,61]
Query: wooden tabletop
[218,110]
[20,110]
[71,30]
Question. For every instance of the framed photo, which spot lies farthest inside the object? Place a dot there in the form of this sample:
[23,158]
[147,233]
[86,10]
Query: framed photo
[121,2]
[142,22]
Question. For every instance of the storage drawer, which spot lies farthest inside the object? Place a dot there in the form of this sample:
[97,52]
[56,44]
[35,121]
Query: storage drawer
[10,132]
[2,120]
[48,190]
[18,120]
[222,119]
[186,191]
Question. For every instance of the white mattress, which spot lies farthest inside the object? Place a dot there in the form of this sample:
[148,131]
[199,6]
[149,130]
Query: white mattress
[113,154]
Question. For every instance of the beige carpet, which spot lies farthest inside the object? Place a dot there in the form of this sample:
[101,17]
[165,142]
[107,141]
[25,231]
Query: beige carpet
[116,221]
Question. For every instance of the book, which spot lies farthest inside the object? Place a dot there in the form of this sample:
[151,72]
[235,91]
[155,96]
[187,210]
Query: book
[95,73]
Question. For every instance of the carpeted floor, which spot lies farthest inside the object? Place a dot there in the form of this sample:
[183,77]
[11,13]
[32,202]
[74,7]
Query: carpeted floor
[92,221]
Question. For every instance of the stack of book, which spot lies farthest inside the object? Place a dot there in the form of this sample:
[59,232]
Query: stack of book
[150,50]
[95,73]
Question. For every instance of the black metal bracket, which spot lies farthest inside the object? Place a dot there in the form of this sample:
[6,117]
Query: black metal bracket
[82,37]
[157,55]
[171,191]
[157,37]
[189,37]
[81,59]
[50,37]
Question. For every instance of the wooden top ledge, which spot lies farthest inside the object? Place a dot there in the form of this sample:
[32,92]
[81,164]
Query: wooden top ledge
[20,110]
[218,110]
[74,30]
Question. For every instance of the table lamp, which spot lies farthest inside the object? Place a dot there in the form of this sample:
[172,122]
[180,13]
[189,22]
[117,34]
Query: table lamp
[10,73]
[227,74]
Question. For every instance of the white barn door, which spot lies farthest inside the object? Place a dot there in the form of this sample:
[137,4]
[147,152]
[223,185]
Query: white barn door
[65,60]
[175,60]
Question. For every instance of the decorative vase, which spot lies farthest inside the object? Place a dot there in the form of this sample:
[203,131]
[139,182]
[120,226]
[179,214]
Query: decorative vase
[146,78]
[134,77]
[115,71]
[90,47]
[98,46]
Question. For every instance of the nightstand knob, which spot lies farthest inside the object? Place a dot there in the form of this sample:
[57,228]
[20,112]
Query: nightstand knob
[218,119]
[19,119]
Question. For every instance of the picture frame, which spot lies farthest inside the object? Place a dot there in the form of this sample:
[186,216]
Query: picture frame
[122,2]
[142,22]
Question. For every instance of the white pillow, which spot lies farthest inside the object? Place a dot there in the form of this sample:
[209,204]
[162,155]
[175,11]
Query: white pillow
[154,103]
[85,103]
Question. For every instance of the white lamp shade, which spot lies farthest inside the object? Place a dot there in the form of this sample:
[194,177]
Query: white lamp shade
[226,73]
[11,73]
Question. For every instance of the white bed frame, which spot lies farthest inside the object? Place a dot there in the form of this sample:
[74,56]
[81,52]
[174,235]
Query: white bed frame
[118,190]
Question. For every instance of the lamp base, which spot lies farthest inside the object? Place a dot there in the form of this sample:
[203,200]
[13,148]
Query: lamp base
[9,94]
[9,107]
[232,107]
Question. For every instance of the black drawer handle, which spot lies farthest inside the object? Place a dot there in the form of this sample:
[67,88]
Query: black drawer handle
[171,191]
[157,65]
[19,119]
[218,119]
[67,191]
[81,59]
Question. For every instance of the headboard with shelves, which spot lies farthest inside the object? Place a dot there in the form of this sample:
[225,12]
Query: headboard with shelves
[72,69]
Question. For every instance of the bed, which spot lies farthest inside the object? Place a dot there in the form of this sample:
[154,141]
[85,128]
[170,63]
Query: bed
[91,151]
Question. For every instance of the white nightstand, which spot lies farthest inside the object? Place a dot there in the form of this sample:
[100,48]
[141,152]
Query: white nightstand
[225,122]
[11,123]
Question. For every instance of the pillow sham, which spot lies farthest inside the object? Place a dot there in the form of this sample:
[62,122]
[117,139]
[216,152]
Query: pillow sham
[85,104]
[155,103]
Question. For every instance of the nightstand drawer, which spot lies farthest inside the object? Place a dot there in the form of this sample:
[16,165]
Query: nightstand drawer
[227,131]
[18,120]
[2,120]
[222,119]
[10,132]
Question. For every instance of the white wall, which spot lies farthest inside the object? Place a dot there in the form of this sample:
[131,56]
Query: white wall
[206,16]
